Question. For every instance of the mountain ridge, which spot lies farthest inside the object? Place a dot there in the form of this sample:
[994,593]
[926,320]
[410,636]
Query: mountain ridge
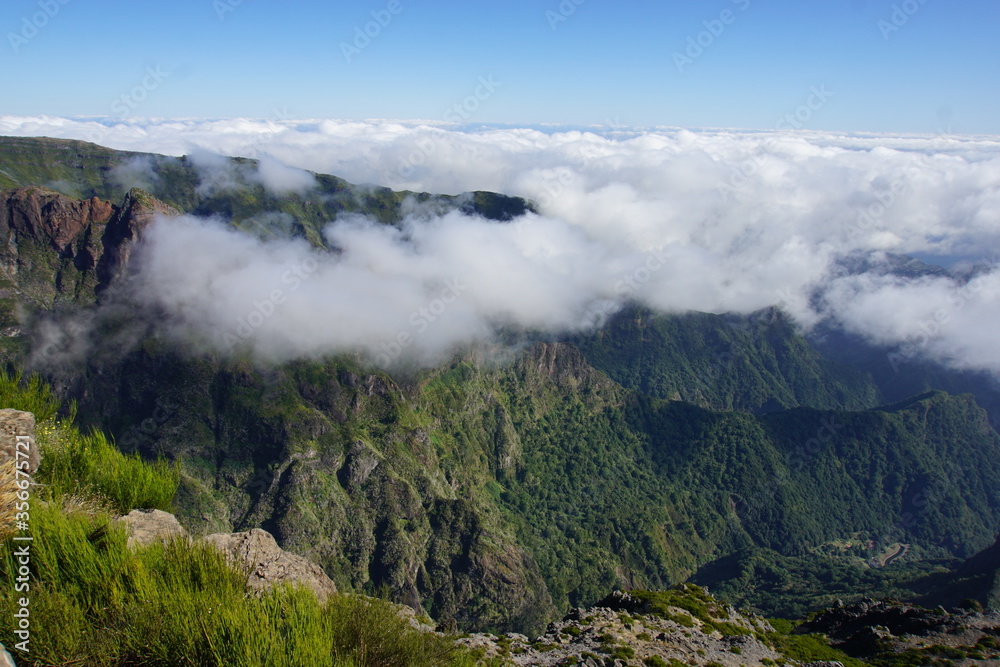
[499,494]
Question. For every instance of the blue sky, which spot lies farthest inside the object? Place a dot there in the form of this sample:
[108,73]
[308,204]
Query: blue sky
[927,67]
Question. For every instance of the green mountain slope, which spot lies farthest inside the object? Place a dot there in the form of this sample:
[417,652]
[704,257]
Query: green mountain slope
[225,187]
[724,362]
[497,494]
[463,491]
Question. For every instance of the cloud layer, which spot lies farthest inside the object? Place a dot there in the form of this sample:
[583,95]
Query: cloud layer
[710,220]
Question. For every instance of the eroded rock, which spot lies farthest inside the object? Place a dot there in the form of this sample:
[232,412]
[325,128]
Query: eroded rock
[17,434]
[267,564]
[147,526]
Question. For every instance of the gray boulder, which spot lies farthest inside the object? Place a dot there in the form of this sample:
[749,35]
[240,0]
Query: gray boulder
[18,426]
[149,526]
[267,564]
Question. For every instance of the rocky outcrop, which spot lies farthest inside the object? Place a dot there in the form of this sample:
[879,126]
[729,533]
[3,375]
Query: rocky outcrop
[17,439]
[5,658]
[147,526]
[48,217]
[563,365]
[686,626]
[360,463]
[625,630]
[124,230]
[860,627]
[873,628]
[56,247]
[254,551]
[268,565]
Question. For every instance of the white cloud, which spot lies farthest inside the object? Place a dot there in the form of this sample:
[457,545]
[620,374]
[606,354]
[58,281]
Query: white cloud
[280,179]
[427,286]
[733,221]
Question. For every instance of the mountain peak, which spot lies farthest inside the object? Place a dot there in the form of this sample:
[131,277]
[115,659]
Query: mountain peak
[131,219]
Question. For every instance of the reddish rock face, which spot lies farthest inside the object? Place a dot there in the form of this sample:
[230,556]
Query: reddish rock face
[94,233]
[49,217]
[136,213]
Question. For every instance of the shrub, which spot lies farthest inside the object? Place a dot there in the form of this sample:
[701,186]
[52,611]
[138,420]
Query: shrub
[96,602]
[31,395]
[90,465]
[623,652]
[810,648]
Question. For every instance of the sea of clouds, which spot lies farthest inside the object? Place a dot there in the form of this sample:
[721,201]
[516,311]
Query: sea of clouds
[708,220]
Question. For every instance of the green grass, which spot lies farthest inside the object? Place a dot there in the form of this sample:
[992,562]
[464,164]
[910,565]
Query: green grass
[696,602]
[806,648]
[934,656]
[623,652]
[86,465]
[96,602]
[90,465]
[31,395]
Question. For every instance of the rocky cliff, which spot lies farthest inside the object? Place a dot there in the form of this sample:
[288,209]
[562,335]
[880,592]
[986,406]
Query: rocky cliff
[55,249]
[890,632]
[506,485]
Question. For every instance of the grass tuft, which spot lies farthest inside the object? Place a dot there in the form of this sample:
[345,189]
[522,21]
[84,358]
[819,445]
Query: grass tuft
[78,464]
[96,602]
[31,395]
